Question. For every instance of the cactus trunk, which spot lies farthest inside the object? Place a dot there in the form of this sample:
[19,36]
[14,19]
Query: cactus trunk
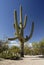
[22,49]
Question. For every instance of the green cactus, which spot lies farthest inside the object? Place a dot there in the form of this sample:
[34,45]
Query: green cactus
[19,30]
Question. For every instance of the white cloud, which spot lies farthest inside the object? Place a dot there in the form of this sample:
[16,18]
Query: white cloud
[29,44]
[14,43]
[17,43]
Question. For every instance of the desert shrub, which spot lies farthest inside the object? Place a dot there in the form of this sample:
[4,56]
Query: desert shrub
[35,47]
[27,50]
[15,49]
[38,48]
[3,46]
[41,47]
[10,56]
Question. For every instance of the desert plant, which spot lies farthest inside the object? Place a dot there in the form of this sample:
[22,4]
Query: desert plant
[10,56]
[35,47]
[27,50]
[14,49]
[20,31]
[41,47]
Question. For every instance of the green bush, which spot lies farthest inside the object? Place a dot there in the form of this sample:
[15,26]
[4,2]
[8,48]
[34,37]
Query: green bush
[41,47]
[14,49]
[10,56]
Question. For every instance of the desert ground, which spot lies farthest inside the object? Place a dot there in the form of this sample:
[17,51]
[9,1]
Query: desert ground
[27,60]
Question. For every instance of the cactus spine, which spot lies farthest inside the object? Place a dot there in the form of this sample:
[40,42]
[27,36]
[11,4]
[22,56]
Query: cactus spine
[19,30]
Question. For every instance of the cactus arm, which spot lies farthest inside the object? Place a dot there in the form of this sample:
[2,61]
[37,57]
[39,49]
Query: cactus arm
[27,38]
[25,21]
[15,20]
[16,23]
[18,26]
[12,38]
[20,14]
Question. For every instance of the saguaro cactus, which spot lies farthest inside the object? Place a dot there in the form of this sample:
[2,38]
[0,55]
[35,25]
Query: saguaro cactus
[19,30]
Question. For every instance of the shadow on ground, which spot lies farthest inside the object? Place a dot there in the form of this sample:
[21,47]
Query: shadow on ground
[41,56]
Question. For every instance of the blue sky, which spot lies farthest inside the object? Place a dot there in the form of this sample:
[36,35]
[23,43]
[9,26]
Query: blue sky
[35,12]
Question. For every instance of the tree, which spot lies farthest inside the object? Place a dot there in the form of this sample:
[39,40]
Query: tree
[0,46]
[3,46]
[35,47]
[41,46]
[27,50]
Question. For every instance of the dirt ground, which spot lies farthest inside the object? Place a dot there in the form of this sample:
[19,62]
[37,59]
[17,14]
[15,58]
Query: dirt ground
[27,60]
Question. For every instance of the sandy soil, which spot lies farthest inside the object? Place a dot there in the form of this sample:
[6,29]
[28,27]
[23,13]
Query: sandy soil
[27,60]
